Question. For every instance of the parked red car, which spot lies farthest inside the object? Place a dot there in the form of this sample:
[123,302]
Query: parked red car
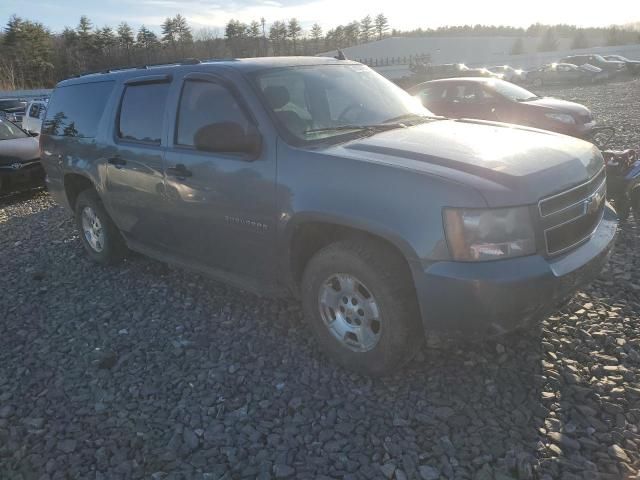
[492,99]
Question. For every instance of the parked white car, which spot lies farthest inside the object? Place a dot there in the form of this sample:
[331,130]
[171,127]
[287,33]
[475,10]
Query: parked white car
[32,120]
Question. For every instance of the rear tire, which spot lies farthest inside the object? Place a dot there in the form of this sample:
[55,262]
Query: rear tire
[99,235]
[378,328]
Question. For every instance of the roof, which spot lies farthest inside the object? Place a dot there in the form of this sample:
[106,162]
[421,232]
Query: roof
[244,64]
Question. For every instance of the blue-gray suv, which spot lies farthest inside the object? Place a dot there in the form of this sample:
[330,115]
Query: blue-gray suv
[319,178]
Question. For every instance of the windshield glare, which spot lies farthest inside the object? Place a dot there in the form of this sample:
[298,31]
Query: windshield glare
[9,131]
[510,91]
[305,99]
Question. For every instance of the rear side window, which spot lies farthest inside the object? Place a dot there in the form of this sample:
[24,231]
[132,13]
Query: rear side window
[142,112]
[203,104]
[76,110]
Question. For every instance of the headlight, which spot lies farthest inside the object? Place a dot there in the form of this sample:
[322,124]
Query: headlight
[560,117]
[489,234]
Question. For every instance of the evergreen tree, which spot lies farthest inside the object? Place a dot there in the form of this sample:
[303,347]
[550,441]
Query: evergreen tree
[580,40]
[549,41]
[316,35]
[148,42]
[125,39]
[381,25]
[294,29]
[366,29]
[518,47]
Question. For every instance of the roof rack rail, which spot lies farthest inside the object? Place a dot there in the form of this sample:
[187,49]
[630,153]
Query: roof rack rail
[185,61]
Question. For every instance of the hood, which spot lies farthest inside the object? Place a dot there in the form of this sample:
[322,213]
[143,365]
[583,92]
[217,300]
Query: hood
[508,165]
[560,106]
[19,149]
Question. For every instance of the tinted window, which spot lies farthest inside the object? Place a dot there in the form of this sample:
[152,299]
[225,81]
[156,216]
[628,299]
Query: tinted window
[35,110]
[76,110]
[203,104]
[7,104]
[142,112]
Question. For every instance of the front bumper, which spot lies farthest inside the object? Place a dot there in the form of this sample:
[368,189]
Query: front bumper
[488,298]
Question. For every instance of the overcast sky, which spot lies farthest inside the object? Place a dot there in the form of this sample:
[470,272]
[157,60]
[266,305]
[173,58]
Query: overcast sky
[402,14]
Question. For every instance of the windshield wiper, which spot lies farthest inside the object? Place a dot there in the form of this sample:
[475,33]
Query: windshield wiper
[373,128]
[409,116]
[534,97]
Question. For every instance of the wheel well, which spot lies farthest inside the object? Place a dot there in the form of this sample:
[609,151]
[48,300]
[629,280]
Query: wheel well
[73,185]
[311,237]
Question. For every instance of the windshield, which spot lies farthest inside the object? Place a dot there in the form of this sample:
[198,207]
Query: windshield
[8,131]
[511,91]
[322,101]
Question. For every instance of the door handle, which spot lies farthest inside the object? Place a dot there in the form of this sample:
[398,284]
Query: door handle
[117,161]
[179,171]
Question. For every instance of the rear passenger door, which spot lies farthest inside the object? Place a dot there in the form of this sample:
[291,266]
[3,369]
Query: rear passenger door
[135,183]
[221,210]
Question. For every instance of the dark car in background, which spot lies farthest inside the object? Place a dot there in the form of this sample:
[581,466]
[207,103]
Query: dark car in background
[449,70]
[319,178]
[560,73]
[633,66]
[19,157]
[612,67]
[12,109]
[498,100]
[510,74]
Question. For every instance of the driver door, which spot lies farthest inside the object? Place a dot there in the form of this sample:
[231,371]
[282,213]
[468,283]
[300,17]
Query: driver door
[221,205]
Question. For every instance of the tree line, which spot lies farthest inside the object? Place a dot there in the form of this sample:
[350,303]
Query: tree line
[32,56]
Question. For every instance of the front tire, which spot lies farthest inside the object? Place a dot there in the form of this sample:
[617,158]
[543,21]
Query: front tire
[359,299]
[99,235]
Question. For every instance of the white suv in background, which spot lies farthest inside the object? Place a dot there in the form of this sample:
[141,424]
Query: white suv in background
[32,120]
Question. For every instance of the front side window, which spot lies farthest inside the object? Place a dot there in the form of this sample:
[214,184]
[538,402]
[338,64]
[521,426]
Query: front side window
[9,131]
[204,105]
[34,111]
[323,101]
[142,112]
[76,110]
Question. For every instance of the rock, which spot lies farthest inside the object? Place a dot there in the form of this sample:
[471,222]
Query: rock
[443,413]
[427,472]
[190,439]
[283,471]
[618,453]
[564,440]
[108,360]
[68,445]
[6,411]
[388,469]
[485,473]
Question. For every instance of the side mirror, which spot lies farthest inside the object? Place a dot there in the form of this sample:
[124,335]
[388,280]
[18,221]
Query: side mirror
[34,134]
[228,137]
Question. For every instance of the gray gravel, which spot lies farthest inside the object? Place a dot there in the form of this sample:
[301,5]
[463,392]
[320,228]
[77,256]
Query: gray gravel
[145,371]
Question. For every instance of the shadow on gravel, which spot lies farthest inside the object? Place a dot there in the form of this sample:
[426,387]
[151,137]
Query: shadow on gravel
[11,198]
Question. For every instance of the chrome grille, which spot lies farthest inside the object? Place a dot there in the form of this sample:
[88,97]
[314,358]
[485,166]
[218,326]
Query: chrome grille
[570,217]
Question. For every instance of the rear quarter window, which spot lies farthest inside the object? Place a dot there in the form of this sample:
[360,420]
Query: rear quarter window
[76,110]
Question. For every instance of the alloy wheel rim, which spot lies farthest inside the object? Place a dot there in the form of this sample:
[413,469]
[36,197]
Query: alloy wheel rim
[350,312]
[92,229]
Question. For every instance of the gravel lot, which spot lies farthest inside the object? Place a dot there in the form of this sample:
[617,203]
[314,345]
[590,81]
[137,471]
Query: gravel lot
[145,371]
